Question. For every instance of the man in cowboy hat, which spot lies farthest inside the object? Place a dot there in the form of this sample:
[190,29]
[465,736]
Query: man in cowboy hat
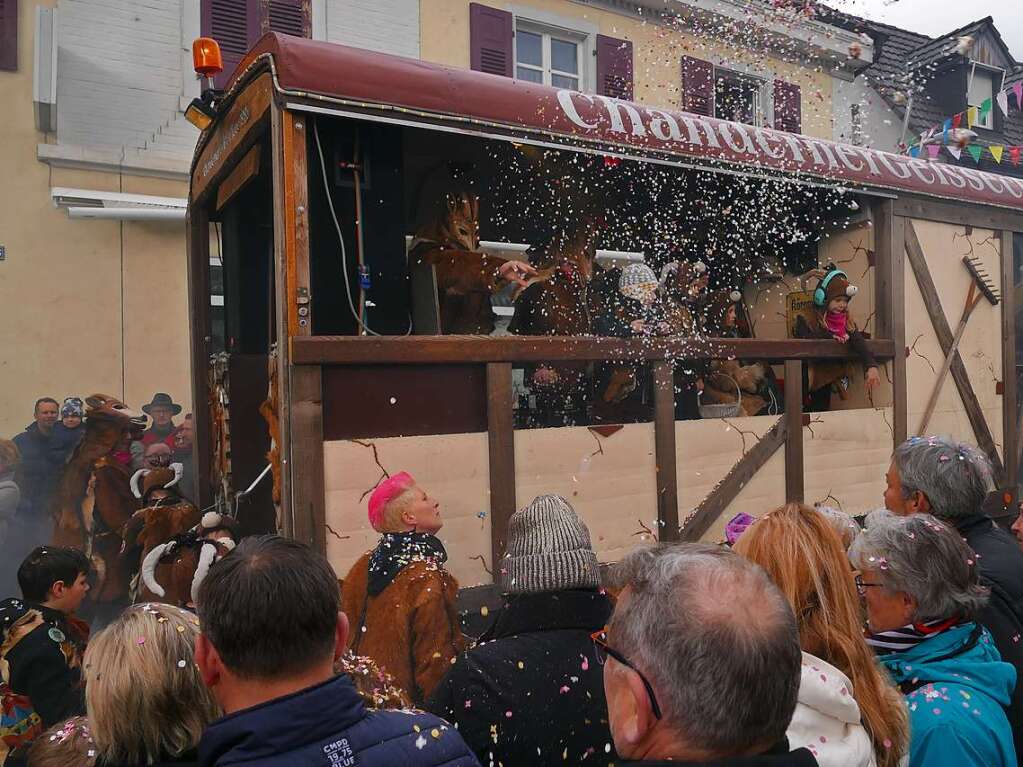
[162,410]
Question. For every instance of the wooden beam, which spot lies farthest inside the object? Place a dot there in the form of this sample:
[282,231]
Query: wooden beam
[726,491]
[881,211]
[197,226]
[417,350]
[793,431]
[308,491]
[246,170]
[296,224]
[664,450]
[501,442]
[1010,435]
[962,213]
[932,302]
[900,386]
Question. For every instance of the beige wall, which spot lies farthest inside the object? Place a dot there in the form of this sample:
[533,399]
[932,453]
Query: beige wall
[657,53]
[65,328]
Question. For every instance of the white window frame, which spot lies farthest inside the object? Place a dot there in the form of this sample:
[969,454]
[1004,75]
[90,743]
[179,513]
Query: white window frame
[580,31]
[546,68]
[763,108]
[994,73]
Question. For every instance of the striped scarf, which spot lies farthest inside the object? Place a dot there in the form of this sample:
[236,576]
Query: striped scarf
[907,637]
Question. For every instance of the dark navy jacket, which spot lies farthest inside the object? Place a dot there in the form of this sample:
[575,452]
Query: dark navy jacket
[328,725]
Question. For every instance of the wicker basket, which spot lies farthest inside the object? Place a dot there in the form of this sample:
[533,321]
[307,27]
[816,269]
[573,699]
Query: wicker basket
[723,410]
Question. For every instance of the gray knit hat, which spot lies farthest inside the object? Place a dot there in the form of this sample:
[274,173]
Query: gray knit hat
[548,549]
[636,280]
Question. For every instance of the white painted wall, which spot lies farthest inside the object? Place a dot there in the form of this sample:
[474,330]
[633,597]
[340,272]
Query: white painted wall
[388,26]
[882,128]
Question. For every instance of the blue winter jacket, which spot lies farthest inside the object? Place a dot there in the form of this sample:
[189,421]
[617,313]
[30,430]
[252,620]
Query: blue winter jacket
[328,725]
[956,714]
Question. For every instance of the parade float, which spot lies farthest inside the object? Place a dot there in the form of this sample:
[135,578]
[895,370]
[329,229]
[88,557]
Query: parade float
[363,206]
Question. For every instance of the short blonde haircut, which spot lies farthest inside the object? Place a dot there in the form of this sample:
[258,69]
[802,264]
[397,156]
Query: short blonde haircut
[391,521]
[143,692]
[68,744]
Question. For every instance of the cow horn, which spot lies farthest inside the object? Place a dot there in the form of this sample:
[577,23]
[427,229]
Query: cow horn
[134,482]
[207,554]
[179,469]
[149,569]
[667,270]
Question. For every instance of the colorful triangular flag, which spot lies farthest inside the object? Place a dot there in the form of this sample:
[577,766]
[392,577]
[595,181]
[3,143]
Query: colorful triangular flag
[954,151]
[1017,88]
[984,111]
[996,151]
[1003,102]
[933,149]
[975,151]
[971,116]
[945,128]
[957,120]
[1014,153]
[914,151]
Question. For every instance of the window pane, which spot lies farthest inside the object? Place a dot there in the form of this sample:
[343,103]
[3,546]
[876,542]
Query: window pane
[735,98]
[528,48]
[533,75]
[562,81]
[564,56]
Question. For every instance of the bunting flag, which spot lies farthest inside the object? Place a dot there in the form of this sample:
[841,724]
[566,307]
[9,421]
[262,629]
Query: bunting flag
[914,151]
[1003,102]
[954,151]
[971,117]
[996,151]
[933,149]
[945,128]
[1017,88]
[957,120]
[1014,153]
[985,110]
[975,151]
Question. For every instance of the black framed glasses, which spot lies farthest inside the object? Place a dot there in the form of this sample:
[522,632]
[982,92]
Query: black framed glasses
[604,650]
[862,585]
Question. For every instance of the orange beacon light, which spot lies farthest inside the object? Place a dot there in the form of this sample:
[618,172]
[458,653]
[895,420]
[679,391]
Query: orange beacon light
[206,57]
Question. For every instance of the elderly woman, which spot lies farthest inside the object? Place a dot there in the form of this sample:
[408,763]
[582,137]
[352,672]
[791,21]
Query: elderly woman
[146,702]
[919,581]
[950,480]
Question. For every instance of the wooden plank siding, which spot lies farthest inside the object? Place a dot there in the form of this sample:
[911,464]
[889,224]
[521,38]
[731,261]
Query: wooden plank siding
[501,441]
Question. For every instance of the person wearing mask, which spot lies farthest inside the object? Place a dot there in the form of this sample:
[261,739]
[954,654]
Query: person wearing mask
[145,698]
[950,480]
[538,657]
[701,661]
[162,410]
[37,476]
[272,630]
[70,429]
[848,714]
[920,583]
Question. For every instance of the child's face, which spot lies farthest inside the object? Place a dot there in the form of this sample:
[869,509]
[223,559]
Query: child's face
[730,317]
[421,512]
[68,598]
[840,305]
[71,421]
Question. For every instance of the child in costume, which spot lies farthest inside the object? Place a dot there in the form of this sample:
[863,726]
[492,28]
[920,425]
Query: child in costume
[43,643]
[399,598]
[831,319]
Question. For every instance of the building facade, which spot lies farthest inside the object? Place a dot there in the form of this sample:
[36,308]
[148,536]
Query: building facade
[96,148]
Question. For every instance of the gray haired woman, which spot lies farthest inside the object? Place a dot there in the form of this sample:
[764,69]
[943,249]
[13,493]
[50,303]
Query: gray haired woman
[919,581]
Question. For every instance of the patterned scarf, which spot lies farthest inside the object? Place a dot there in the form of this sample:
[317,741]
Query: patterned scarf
[907,637]
[397,550]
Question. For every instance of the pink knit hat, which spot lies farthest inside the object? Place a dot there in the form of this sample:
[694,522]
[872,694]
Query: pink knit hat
[386,492]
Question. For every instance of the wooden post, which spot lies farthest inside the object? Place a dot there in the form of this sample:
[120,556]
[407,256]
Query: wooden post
[1010,436]
[889,298]
[794,431]
[198,228]
[501,440]
[664,450]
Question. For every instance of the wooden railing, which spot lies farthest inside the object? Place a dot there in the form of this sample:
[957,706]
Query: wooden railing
[498,354]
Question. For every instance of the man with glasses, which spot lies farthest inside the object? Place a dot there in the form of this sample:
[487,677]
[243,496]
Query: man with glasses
[701,661]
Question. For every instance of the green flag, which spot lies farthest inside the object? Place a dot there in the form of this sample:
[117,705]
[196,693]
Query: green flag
[975,152]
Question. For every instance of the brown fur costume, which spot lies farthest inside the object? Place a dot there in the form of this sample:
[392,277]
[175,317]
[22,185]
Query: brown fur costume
[412,628]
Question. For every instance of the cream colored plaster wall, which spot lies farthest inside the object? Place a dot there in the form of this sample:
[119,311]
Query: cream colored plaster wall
[65,328]
[657,53]
[944,245]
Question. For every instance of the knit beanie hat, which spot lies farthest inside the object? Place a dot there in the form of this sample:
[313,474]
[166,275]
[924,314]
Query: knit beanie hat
[636,280]
[839,287]
[548,550]
[73,406]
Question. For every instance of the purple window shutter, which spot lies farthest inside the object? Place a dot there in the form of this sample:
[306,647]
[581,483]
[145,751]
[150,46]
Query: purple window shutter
[788,110]
[289,17]
[490,40]
[697,86]
[9,35]
[234,24]
[614,67]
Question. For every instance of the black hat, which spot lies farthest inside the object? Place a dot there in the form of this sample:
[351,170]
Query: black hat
[161,399]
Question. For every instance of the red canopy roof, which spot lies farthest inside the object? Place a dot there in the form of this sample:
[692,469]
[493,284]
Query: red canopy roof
[420,92]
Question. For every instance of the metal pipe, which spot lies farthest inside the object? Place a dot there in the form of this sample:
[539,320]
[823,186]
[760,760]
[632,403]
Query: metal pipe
[129,214]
